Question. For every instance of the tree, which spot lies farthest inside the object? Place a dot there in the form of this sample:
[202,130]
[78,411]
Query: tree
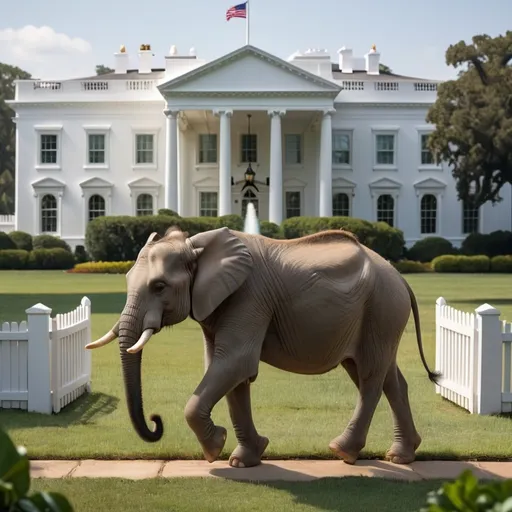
[8,74]
[473,118]
[384,69]
[103,70]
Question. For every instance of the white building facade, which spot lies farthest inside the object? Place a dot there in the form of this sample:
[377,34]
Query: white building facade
[322,139]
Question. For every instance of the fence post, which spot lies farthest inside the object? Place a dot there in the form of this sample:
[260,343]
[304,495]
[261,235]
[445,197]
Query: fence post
[440,302]
[39,383]
[86,304]
[489,350]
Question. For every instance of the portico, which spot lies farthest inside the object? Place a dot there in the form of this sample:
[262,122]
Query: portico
[212,103]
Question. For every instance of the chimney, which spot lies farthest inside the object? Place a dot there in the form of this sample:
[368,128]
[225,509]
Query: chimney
[121,60]
[372,61]
[176,64]
[346,60]
[145,58]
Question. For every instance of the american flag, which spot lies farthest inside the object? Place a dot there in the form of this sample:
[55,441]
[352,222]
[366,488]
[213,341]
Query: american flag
[237,11]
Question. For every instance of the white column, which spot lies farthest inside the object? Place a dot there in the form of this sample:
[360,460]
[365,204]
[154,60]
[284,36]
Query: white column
[325,185]
[275,213]
[225,162]
[171,159]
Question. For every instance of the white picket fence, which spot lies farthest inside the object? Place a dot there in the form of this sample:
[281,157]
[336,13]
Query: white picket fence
[43,363]
[473,352]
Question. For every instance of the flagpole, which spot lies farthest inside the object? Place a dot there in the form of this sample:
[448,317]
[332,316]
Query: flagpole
[247,22]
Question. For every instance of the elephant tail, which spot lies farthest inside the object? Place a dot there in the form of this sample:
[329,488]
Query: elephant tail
[433,376]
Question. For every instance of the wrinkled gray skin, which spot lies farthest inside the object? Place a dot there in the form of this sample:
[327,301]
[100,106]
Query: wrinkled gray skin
[305,306]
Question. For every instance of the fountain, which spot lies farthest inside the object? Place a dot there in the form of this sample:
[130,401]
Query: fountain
[251,223]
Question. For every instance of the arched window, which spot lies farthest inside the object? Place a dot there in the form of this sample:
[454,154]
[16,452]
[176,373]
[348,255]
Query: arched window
[429,214]
[144,205]
[386,209]
[340,205]
[49,214]
[250,197]
[96,206]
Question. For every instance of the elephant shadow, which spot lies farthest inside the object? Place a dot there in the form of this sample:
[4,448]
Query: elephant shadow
[344,490]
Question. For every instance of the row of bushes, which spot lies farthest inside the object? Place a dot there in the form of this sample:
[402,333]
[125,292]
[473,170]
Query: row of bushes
[38,259]
[448,263]
[120,238]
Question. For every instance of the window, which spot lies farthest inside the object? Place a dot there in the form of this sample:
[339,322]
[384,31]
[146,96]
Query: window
[49,149]
[96,148]
[470,218]
[208,204]
[340,148]
[96,206]
[428,213]
[208,148]
[293,150]
[49,214]
[386,209]
[385,154]
[340,205]
[144,205]
[144,148]
[249,149]
[249,197]
[426,155]
[292,200]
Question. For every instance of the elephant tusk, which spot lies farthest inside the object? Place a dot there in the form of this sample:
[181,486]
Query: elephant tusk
[144,338]
[107,338]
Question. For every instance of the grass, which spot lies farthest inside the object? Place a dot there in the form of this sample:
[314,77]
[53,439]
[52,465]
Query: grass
[194,494]
[300,414]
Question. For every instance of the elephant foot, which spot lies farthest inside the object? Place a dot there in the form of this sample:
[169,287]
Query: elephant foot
[214,445]
[245,456]
[403,453]
[345,449]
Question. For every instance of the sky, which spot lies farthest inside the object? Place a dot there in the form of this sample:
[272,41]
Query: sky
[59,39]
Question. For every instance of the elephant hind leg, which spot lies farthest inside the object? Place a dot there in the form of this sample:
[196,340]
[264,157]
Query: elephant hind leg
[348,445]
[407,440]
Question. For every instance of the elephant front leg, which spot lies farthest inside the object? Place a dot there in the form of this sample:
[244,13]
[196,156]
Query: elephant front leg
[250,444]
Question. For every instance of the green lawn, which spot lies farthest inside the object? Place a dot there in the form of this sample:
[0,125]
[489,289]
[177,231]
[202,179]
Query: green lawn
[300,414]
[207,494]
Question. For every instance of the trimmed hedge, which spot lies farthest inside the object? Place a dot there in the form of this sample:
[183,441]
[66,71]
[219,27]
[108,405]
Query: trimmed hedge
[501,264]
[38,259]
[497,243]
[22,240]
[6,242]
[411,267]
[49,242]
[13,259]
[429,248]
[102,267]
[460,263]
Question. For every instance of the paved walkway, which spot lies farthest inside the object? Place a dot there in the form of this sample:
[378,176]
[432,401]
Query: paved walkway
[290,470]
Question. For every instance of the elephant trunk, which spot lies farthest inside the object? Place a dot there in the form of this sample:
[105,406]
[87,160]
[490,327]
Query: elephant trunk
[129,333]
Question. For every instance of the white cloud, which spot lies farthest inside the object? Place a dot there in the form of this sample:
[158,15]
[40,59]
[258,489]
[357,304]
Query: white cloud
[45,53]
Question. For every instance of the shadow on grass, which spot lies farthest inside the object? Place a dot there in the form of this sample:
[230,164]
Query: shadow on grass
[14,305]
[85,410]
[493,302]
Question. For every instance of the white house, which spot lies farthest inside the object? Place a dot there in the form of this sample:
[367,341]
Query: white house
[322,139]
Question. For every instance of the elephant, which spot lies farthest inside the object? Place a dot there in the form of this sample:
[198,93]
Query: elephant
[305,305]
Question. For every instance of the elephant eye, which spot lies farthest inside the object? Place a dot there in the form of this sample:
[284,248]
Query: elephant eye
[159,286]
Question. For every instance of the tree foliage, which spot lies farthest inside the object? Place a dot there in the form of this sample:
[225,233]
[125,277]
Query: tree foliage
[473,118]
[8,74]
[103,70]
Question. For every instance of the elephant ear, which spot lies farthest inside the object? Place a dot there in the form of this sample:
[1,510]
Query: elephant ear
[223,264]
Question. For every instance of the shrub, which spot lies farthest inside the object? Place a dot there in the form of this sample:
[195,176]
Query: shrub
[6,242]
[22,240]
[411,267]
[102,267]
[461,263]
[168,213]
[497,243]
[51,259]
[13,259]
[379,236]
[429,248]
[234,222]
[270,230]
[50,242]
[81,255]
[502,264]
